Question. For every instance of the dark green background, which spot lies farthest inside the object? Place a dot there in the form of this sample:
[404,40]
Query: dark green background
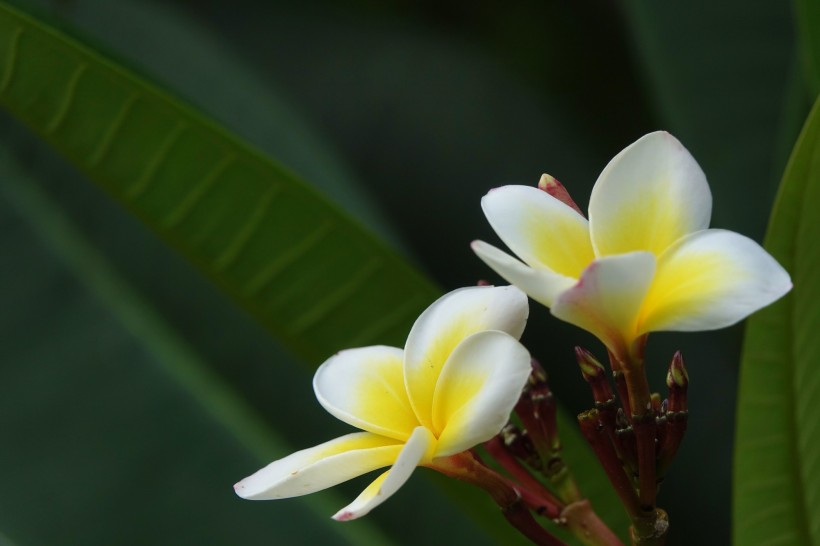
[406,113]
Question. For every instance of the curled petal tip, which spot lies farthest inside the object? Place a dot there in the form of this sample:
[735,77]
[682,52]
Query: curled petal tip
[239,489]
[343,515]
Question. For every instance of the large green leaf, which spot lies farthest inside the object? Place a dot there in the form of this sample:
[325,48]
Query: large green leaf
[777,475]
[304,269]
[114,429]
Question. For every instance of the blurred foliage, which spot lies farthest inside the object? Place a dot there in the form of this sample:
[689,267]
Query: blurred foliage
[405,113]
[776,475]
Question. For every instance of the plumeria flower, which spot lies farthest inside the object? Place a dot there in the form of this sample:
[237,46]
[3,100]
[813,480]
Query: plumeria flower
[452,387]
[644,261]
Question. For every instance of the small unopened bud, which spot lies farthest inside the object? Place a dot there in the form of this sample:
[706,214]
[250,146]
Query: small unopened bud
[677,413]
[677,376]
[550,185]
[678,382]
[594,374]
[590,366]
[482,282]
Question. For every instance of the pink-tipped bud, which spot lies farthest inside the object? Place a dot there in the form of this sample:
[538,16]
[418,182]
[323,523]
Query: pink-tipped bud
[550,185]
[482,282]
[590,367]
[594,374]
[677,376]
[677,379]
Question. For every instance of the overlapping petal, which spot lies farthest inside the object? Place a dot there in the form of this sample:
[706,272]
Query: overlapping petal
[477,390]
[649,195]
[607,299]
[320,467]
[709,280]
[540,229]
[445,324]
[418,448]
[541,284]
[365,388]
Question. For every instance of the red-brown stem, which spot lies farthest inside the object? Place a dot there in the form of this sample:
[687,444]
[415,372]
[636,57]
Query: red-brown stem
[630,457]
[675,429]
[644,426]
[536,409]
[499,452]
[465,467]
[593,430]
[537,504]
[585,524]
[623,393]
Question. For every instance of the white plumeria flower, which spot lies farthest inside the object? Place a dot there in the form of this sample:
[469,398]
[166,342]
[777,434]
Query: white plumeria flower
[645,261]
[452,387]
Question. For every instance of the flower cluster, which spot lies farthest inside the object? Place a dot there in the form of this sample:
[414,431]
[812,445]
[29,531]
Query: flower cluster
[644,261]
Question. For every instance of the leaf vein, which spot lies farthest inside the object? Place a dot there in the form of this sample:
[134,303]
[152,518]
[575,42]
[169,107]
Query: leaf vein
[237,245]
[268,273]
[335,298]
[65,106]
[104,145]
[189,201]
[150,172]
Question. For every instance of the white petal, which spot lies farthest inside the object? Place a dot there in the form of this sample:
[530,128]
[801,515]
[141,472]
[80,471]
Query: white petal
[365,388]
[540,229]
[608,299]
[477,390]
[542,285]
[712,279]
[418,447]
[445,324]
[650,195]
[320,467]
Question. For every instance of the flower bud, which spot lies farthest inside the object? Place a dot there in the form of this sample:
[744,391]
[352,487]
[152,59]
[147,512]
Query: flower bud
[594,374]
[550,185]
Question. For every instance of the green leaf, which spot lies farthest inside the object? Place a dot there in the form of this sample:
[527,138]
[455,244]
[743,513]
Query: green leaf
[776,473]
[305,270]
[808,25]
[113,425]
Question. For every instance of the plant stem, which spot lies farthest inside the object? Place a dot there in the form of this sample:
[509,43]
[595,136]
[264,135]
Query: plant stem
[593,431]
[585,524]
[496,448]
[650,524]
[465,467]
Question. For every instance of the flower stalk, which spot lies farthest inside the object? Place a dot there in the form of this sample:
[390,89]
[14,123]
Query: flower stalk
[537,412]
[676,414]
[467,468]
